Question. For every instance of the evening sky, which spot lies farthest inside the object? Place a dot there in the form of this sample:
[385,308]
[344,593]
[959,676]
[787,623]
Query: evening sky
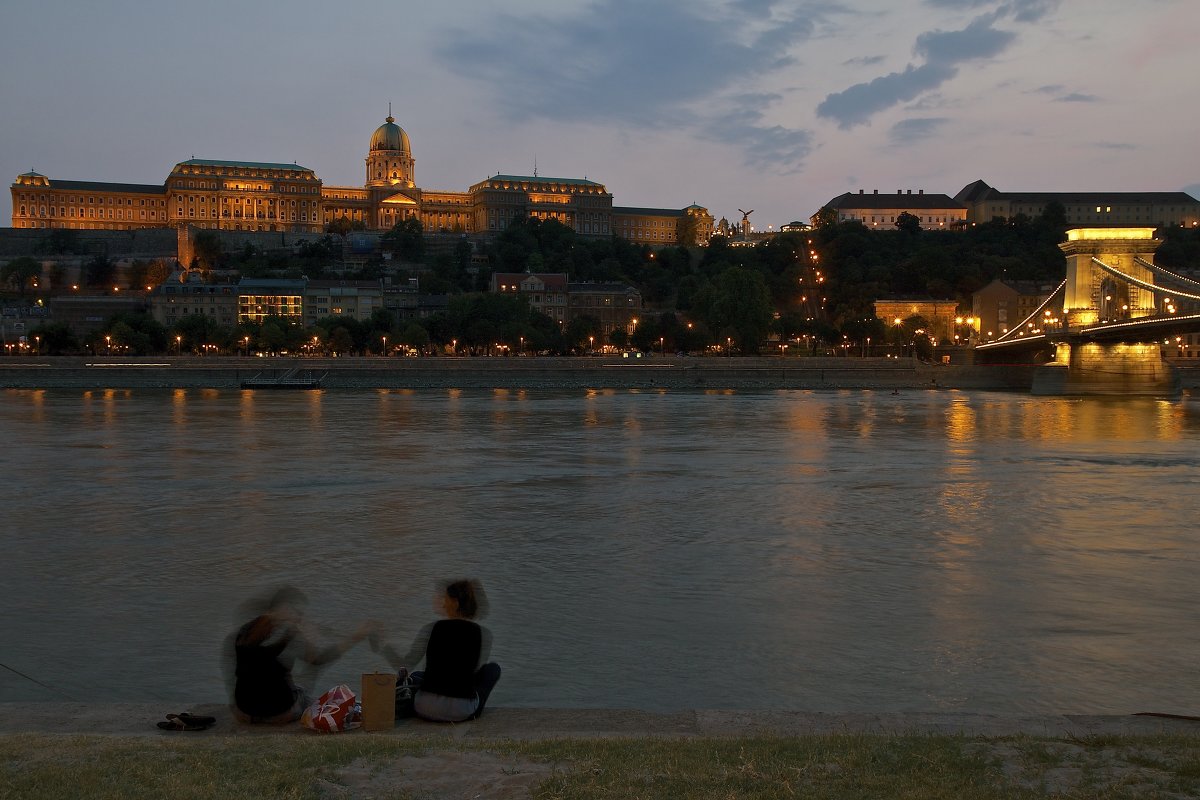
[772,106]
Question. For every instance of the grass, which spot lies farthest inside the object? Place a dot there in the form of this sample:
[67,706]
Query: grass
[836,767]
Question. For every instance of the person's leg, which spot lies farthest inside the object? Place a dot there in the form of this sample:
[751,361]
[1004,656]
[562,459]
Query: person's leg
[485,680]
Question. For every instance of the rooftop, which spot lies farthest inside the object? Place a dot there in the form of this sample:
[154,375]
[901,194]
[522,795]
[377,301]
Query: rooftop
[211,162]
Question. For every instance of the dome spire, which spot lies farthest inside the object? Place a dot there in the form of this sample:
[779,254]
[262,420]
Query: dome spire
[390,118]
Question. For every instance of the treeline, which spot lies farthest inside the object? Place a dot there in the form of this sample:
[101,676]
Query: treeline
[818,286]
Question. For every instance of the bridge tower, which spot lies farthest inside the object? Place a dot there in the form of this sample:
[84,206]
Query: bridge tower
[1093,295]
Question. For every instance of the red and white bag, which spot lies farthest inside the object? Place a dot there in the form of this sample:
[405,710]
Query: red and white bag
[334,711]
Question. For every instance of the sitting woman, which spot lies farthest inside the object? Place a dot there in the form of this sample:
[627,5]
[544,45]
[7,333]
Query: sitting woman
[457,679]
[264,650]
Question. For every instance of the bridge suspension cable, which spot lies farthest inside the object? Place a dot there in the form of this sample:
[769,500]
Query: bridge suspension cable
[1157,270]
[1036,312]
[1116,273]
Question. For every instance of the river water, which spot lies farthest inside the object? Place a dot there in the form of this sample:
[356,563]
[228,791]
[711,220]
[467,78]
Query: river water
[825,551]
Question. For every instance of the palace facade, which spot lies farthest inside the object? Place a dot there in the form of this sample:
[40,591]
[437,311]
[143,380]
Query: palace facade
[262,196]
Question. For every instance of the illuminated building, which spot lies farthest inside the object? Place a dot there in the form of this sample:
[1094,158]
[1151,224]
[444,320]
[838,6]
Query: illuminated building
[262,196]
[879,212]
[1153,209]
[659,227]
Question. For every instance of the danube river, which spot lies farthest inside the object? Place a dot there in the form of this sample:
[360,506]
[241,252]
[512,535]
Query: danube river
[838,551]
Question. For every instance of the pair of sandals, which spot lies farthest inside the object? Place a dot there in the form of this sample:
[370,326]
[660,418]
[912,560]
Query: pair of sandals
[187,722]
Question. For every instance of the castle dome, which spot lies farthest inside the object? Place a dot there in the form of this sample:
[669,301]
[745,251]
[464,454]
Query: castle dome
[390,136]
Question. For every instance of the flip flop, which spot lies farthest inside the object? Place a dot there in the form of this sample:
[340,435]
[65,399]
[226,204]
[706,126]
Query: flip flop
[176,722]
[197,719]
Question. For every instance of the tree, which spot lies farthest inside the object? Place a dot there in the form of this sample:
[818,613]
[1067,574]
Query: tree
[207,248]
[687,230]
[21,272]
[406,239]
[826,218]
[57,338]
[909,223]
[737,300]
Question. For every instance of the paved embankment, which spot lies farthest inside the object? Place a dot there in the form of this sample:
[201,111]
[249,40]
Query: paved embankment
[136,720]
[650,373]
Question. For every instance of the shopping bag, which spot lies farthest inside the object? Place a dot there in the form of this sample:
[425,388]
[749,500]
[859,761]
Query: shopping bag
[334,711]
[378,701]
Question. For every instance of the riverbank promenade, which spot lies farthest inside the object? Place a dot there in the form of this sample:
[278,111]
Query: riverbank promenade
[138,720]
[101,750]
[649,371]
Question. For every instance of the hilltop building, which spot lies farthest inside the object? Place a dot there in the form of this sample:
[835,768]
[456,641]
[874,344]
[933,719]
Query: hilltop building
[1143,209]
[880,211]
[264,196]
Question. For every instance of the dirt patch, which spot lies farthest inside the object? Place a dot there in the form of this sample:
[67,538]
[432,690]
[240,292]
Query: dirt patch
[465,775]
[1067,769]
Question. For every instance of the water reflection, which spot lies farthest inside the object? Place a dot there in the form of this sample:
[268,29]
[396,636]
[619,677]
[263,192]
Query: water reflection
[827,551]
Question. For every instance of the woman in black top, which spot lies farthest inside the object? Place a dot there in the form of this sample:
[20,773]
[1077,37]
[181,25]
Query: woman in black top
[457,678]
[266,647]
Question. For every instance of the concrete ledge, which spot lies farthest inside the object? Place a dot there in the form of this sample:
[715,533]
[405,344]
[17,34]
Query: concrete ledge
[138,720]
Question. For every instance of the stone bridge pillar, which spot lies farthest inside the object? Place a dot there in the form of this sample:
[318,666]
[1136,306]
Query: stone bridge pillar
[1083,367]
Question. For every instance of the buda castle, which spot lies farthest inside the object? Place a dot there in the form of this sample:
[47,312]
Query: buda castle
[263,196]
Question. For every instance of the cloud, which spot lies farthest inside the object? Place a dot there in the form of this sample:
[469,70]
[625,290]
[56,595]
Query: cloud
[942,53]
[1077,97]
[1193,190]
[905,131]
[646,65]
[977,40]
[1020,10]
[856,105]
[863,61]
[1051,88]
[1115,145]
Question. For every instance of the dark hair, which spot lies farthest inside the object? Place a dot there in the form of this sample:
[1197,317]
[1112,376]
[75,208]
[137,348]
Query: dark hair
[463,593]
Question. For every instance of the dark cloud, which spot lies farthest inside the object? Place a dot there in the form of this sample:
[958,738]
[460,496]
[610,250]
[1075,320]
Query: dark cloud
[942,52]
[1114,145]
[1019,10]
[1051,88]
[647,65]
[977,40]
[768,147]
[1028,10]
[1193,190]
[905,131]
[1077,97]
[863,61]
[856,105]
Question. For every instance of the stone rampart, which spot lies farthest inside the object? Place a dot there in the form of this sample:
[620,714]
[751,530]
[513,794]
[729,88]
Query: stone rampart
[144,243]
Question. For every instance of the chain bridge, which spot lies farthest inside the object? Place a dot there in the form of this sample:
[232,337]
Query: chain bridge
[1104,326]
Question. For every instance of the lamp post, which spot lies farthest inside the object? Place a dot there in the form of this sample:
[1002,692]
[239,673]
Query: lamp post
[246,342]
[729,347]
[108,343]
[454,347]
[662,346]
[385,346]
[591,345]
[38,340]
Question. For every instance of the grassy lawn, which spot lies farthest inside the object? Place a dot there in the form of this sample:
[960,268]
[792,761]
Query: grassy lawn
[827,767]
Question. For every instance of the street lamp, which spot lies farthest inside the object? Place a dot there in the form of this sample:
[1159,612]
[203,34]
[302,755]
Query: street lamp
[38,340]
[178,346]
[385,346]
[108,343]
[729,347]
[591,344]
[662,346]
[454,347]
